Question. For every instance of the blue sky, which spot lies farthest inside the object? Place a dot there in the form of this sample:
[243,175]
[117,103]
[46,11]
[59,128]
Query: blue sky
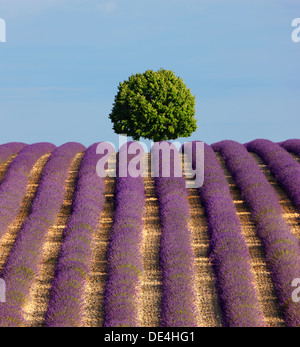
[63,61]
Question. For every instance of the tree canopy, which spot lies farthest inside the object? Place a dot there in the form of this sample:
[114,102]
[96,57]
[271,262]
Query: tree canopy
[154,105]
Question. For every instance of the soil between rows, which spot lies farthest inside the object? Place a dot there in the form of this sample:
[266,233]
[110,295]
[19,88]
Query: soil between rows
[207,300]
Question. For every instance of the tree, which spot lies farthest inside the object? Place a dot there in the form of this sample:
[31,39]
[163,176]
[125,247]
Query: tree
[154,105]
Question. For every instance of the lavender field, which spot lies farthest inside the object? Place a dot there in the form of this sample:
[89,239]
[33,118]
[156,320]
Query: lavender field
[77,249]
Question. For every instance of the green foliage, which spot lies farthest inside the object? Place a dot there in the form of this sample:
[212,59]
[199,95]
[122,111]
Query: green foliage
[154,105]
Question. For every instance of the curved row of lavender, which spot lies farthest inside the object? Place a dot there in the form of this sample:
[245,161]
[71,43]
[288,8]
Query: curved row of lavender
[292,145]
[14,184]
[22,265]
[9,149]
[229,253]
[280,245]
[66,304]
[124,254]
[177,260]
[281,164]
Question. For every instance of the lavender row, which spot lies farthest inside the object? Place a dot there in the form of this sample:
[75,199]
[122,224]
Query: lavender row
[292,146]
[9,149]
[66,304]
[281,246]
[177,260]
[14,184]
[229,253]
[124,255]
[22,266]
[281,164]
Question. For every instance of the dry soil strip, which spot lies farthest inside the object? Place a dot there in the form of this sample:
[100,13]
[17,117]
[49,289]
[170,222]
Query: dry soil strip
[290,213]
[35,309]
[151,279]
[94,314]
[7,241]
[207,298]
[295,157]
[4,166]
[264,284]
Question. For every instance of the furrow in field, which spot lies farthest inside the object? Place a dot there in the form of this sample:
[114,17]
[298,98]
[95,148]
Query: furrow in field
[10,149]
[14,184]
[209,310]
[290,213]
[292,146]
[281,164]
[94,314]
[8,239]
[37,306]
[176,255]
[295,157]
[22,266]
[124,252]
[207,299]
[151,279]
[264,284]
[4,166]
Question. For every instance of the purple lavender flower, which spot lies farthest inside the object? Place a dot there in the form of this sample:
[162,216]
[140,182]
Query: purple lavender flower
[14,184]
[228,250]
[22,265]
[281,246]
[124,255]
[66,305]
[281,164]
[177,260]
[292,145]
[9,149]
